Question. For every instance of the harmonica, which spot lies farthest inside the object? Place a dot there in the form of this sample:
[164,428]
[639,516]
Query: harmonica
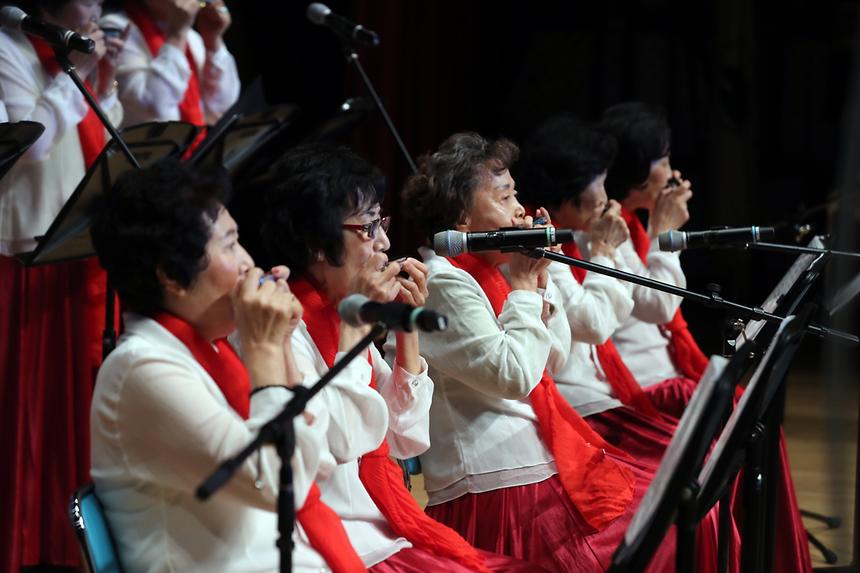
[402,274]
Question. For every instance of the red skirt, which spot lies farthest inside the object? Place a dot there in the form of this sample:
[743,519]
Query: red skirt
[539,523]
[414,560]
[51,320]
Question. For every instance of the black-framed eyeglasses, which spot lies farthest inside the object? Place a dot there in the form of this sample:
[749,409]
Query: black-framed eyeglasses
[370,229]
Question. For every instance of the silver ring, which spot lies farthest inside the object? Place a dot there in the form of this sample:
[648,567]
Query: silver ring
[223,9]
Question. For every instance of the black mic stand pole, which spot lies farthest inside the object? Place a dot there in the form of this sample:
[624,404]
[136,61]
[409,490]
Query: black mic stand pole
[713,301]
[352,57]
[280,432]
[776,247]
[108,334]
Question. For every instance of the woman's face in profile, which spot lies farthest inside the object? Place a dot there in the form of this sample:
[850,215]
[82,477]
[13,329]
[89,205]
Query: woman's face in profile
[227,261]
[358,247]
[658,179]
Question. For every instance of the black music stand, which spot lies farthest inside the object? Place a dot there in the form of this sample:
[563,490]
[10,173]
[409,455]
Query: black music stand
[751,439]
[68,237]
[178,133]
[671,496]
[15,140]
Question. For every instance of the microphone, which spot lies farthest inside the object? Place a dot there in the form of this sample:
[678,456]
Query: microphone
[453,243]
[322,15]
[357,309]
[16,19]
[679,240]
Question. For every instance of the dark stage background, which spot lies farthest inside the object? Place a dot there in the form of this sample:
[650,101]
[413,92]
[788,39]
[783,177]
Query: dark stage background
[754,97]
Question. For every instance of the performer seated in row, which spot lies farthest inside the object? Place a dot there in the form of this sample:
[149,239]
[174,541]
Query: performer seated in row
[174,400]
[658,348]
[51,317]
[563,168]
[323,218]
[511,465]
[640,179]
[169,70]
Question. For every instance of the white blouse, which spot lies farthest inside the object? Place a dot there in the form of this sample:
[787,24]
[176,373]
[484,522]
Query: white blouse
[38,185]
[359,418]
[640,342]
[159,426]
[594,309]
[151,88]
[483,430]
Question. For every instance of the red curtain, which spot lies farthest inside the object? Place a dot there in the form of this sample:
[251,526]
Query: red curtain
[51,320]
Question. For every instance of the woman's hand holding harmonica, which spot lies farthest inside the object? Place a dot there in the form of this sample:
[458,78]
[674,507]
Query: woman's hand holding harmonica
[608,231]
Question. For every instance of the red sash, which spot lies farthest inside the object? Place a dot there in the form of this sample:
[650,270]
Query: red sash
[190,109]
[599,487]
[322,525]
[685,353]
[382,477]
[91,132]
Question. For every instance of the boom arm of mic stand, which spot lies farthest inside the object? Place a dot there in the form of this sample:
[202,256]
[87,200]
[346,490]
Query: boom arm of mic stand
[776,247]
[713,301]
[279,431]
[69,68]
[352,57]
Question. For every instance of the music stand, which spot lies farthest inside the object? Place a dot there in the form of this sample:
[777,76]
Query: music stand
[671,495]
[748,436]
[178,133]
[68,236]
[15,140]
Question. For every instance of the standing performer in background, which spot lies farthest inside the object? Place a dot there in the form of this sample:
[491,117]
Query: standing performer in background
[511,465]
[174,400]
[169,71]
[51,317]
[323,218]
[663,355]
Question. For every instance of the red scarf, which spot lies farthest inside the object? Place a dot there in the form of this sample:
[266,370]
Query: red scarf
[600,488]
[91,132]
[621,380]
[190,108]
[685,353]
[382,477]
[322,525]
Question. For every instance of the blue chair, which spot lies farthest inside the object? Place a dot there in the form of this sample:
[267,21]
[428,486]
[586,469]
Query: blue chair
[98,549]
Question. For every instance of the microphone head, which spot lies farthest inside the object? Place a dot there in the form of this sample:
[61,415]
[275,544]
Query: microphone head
[672,241]
[449,243]
[349,309]
[11,17]
[317,13]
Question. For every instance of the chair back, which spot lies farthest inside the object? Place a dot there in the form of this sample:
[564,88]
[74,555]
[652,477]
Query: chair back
[95,541]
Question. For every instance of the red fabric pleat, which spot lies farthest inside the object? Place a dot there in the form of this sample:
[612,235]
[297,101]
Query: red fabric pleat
[51,318]
[322,525]
[600,488]
[621,380]
[191,106]
[380,475]
[91,132]
[686,354]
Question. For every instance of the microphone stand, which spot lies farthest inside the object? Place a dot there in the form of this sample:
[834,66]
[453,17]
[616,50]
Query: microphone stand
[776,247]
[714,300]
[62,55]
[352,57]
[280,432]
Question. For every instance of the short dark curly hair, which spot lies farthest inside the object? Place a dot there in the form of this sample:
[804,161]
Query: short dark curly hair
[560,159]
[441,193]
[157,218]
[316,187]
[643,136]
